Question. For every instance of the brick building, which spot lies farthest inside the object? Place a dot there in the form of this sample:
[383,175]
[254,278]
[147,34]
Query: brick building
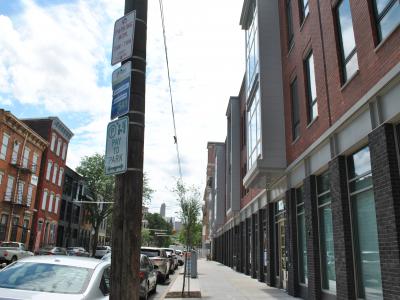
[322,123]
[20,157]
[50,184]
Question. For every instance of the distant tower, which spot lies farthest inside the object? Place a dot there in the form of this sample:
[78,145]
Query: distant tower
[162,210]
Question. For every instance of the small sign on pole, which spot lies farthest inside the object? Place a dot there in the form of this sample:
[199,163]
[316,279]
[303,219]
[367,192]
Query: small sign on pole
[121,86]
[116,158]
[124,31]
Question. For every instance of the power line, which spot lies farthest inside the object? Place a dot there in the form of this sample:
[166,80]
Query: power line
[170,90]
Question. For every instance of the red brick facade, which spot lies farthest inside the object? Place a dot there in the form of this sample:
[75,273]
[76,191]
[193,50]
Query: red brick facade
[20,157]
[51,182]
[318,34]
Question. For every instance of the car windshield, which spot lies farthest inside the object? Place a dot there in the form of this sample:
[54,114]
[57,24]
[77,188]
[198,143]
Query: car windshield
[150,252]
[12,245]
[169,252]
[45,278]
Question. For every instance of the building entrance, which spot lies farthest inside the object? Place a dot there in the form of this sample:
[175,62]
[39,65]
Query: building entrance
[280,246]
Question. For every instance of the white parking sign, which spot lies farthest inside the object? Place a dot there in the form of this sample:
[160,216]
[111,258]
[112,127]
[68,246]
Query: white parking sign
[116,158]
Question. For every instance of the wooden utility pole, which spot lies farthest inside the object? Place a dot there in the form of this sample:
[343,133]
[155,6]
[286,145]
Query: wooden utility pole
[127,214]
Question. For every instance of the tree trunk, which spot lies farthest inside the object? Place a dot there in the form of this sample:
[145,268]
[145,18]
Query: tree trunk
[95,238]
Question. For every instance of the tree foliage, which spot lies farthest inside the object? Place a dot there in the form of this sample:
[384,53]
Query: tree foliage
[100,188]
[156,221]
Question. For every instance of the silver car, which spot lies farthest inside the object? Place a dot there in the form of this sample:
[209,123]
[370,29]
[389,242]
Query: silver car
[56,277]
[101,251]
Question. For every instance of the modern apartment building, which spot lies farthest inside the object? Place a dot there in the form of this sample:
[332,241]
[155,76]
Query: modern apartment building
[50,184]
[20,156]
[321,98]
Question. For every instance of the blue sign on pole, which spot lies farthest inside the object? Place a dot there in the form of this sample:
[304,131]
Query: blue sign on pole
[121,85]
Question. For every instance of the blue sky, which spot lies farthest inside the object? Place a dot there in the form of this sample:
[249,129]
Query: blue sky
[55,61]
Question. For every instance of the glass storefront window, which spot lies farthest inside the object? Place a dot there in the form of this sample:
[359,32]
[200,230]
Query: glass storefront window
[301,237]
[326,233]
[366,247]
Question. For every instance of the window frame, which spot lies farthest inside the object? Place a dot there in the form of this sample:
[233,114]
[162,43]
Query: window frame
[295,114]
[345,60]
[323,272]
[378,17]
[310,102]
[251,113]
[4,146]
[304,10]
[289,24]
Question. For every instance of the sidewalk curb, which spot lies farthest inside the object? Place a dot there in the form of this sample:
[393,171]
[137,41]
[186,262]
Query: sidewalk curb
[162,297]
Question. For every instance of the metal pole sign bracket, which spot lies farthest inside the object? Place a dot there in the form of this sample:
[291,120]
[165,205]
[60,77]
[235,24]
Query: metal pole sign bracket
[116,158]
[124,32]
[121,86]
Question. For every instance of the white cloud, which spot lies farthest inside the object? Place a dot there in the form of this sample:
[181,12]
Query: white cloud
[56,56]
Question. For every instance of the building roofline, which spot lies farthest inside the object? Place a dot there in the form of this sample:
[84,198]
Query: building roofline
[51,118]
[244,16]
[25,126]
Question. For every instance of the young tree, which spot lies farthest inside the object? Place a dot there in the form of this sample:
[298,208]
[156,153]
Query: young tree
[190,208]
[100,189]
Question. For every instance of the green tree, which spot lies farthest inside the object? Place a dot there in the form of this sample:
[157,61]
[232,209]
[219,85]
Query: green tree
[100,189]
[190,208]
[156,222]
[196,235]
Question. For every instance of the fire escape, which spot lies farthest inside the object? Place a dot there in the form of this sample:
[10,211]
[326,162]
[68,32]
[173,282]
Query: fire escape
[16,197]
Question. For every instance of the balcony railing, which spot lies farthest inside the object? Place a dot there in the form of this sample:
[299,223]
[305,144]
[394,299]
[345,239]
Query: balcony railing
[19,200]
[25,166]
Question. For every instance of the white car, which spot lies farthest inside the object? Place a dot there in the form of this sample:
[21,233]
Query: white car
[101,251]
[56,277]
[12,251]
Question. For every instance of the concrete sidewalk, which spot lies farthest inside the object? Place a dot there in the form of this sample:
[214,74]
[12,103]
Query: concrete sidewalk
[216,281]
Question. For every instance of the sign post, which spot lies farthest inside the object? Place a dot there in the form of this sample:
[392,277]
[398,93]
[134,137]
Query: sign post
[127,209]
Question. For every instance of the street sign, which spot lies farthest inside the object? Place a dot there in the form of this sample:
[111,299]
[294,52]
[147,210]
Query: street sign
[124,31]
[121,86]
[116,158]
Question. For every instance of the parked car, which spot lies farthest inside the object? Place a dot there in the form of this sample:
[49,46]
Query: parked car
[12,251]
[147,274]
[148,277]
[172,258]
[160,261]
[77,251]
[51,250]
[101,251]
[56,277]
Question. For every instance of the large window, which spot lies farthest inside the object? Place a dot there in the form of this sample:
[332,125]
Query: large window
[365,233]
[289,20]
[254,130]
[252,50]
[311,88]
[4,146]
[387,16]
[14,156]
[304,9]
[44,199]
[9,189]
[48,171]
[346,40]
[326,233]
[301,236]
[294,97]
[25,159]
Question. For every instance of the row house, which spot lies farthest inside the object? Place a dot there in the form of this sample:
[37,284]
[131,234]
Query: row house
[50,185]
[313,137]
[20,157]
[69,232]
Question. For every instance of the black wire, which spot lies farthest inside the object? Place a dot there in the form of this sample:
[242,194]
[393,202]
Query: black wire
[170,91]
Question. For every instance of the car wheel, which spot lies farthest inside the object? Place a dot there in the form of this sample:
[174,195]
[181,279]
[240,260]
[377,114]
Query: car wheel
[155,288]
[167,276]
[13,259]
[146,293]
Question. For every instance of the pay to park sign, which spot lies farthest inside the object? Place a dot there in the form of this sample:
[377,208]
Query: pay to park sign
[116,158]
[121,86]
